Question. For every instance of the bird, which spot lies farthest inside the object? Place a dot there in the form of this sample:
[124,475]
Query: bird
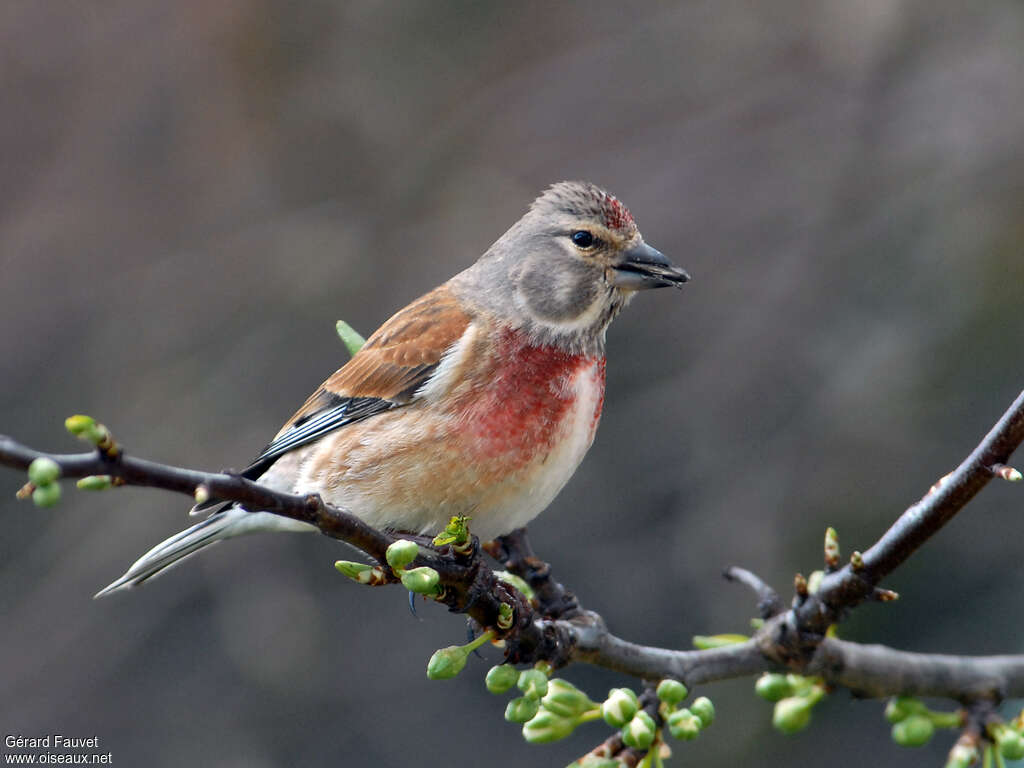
[478,399]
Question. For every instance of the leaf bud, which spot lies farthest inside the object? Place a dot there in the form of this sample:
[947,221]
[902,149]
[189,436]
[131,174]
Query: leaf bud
[671,691]
[913,731]
[620,706]
[533,683]
[46,495]
[792,714]
[521,710]
[565,699]
[447,662]
[704,710]
[773,687]
[501,678]
[684,725]
[546,726]
[43,471]
[400,553]
[639,732]
[422,581]
[95,483]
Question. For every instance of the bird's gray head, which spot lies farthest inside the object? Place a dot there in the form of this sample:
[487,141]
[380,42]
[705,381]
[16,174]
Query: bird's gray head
[565,269]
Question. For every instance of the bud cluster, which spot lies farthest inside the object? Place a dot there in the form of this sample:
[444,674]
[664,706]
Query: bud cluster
[794,697]
[684,723]
[1008,738]
[91,431]
[548,709]
[913,724]
[456,533]
[43,473]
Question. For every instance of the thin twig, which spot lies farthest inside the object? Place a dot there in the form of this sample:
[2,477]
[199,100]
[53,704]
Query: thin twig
[768,601]
[847,587]
[557,630]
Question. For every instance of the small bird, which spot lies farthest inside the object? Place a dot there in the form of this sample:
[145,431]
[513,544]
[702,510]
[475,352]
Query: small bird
[479,398]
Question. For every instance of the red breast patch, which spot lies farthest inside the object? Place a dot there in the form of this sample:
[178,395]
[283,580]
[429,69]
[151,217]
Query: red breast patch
[530,391]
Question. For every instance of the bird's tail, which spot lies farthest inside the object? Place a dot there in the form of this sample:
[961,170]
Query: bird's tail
[224,524]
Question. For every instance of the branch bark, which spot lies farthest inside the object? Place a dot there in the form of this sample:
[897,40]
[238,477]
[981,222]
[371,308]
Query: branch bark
[556,629]
[849,586]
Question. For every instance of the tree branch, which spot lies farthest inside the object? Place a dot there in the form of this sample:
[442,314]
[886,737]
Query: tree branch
[557,630]
[856,581]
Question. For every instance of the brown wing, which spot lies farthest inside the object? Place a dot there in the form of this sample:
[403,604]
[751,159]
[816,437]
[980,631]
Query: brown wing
[400,356]
[395,362]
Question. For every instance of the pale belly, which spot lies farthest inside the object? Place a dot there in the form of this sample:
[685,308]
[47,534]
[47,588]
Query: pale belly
[501,459]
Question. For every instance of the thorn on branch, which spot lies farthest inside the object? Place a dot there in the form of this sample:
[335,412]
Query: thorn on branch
[769,603]
[1007,473]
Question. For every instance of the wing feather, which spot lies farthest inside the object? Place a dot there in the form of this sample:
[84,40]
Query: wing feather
[398,359]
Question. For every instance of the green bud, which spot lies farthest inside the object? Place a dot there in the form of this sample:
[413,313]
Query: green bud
[801,685]
[43,471]
[792,714]
[401,553]
[201,494]
[672,691]
[814,581]
[358,572]
[707,642]
[88,429]
[546,726]
[501,678]
[506,614]
[349,337]
[639,732]
[620,706]
[704,710]
[95,483]
[962,756]
[455,532]
[79,424]
[773,687]
[913,731]
[901,707]
[1010,743]
[447,662]
[422,581]
[46,495]
[684,725]
[533,683]
[593,761]
[565,699]
[521,710]
[515,581]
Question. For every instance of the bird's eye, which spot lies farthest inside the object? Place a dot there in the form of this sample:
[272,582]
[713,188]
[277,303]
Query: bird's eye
[583,239]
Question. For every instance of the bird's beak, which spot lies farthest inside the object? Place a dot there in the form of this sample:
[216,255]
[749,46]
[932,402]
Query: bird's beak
[645,267]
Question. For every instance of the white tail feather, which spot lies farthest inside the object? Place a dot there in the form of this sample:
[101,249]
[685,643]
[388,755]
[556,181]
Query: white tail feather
[221,525]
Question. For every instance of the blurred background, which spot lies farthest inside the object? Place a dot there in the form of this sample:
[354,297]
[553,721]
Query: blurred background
[192,193]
